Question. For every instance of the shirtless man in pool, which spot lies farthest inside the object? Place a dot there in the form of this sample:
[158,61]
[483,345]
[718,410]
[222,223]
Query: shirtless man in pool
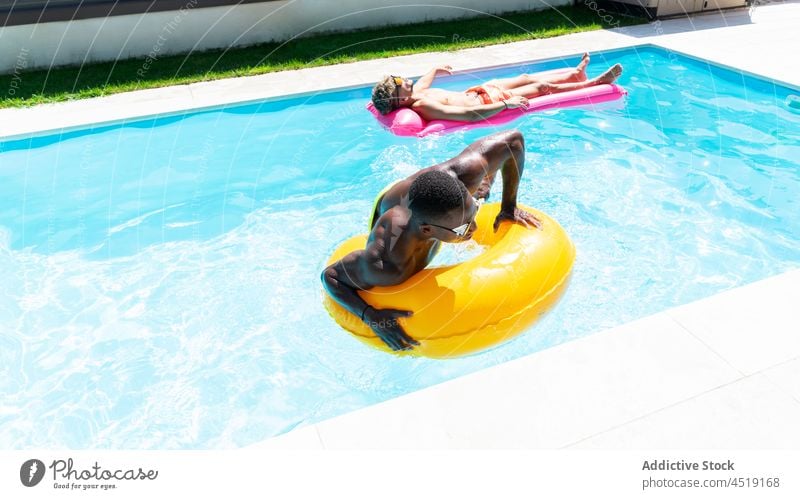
[415,215]
[481,101]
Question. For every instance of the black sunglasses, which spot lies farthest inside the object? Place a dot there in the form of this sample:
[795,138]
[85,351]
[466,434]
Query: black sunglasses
[459,231]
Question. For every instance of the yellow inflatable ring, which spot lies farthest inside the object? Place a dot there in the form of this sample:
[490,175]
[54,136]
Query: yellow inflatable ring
[465,308]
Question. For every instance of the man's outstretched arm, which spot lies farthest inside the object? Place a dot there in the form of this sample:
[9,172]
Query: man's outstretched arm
[344,278]
[425,81]
[504,152]
[432,110]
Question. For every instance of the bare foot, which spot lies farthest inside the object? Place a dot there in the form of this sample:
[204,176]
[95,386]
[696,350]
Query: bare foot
[581,67]
[610,74]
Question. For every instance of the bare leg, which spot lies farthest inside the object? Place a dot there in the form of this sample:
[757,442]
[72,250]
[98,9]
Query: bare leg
[580,69]
[576,75]
[543,88]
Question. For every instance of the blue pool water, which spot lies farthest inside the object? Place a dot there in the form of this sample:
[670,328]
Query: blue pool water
[161,278]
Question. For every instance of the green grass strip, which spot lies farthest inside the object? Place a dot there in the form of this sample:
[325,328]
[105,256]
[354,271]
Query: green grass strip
[92,80]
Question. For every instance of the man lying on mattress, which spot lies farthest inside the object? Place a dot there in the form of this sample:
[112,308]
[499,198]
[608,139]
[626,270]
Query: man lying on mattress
[481,101]
[413,216]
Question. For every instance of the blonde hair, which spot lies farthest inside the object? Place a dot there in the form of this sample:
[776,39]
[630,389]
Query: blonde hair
[383,95]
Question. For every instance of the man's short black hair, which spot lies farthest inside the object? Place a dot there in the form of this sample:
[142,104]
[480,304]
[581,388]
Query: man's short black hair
[434,193]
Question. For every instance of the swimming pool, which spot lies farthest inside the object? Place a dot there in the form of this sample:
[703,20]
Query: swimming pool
[162,276]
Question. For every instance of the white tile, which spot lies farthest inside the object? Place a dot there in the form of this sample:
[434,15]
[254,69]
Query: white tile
[786,377]
[304,438]
[753,327]
[545,400]
[749,414]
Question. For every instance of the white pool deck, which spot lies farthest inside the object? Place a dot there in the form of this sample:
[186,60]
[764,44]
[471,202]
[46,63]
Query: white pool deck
[720,373]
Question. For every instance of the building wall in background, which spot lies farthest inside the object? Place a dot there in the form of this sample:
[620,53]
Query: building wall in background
[192,28]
